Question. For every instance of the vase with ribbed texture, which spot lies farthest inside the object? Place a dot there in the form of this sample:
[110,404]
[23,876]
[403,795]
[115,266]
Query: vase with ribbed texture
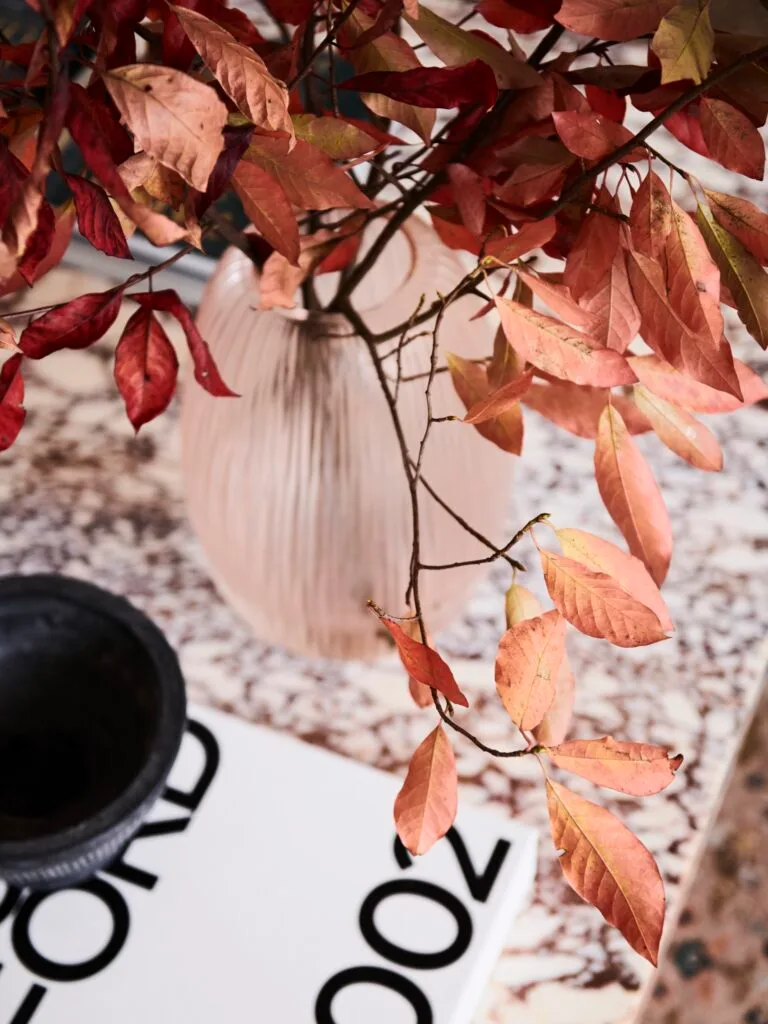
[296,489]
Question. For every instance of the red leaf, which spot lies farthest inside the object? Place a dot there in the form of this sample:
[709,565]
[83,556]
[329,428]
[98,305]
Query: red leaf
[294,12]
[639,769]
[146,368]
[77,324]
[522,16]
[731,138]
[559,300]
[608,866]
[425,665]
[472,83]
[592,136]
[631,494]
[608,104]
[669,335]
[667,382]
[595,247]
[539,176]
[469,196]
[554,347]
[96,219]
[685,125]
[693,280]
[650,218]
[528,663]
[12,415]
[597,606]
[451,231]
[267,207]
[613,19]
[206,371]
[425,808]
[530,236]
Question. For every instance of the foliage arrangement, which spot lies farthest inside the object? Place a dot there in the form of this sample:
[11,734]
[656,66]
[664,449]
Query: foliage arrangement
[174,105]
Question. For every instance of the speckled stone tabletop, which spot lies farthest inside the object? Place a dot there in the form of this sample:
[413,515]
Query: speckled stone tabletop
[80,495]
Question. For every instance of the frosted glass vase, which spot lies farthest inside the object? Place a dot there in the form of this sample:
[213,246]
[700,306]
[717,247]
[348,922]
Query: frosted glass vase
[297,490]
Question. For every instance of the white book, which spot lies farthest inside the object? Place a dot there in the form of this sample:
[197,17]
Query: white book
[267,887]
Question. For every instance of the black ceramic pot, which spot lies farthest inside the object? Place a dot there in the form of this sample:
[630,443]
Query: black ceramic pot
[92,710]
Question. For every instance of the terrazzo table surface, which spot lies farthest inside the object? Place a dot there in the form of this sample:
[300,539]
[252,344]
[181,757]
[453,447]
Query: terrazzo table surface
[80,495]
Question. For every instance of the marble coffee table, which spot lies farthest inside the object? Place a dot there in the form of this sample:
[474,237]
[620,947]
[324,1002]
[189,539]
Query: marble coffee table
[80,495]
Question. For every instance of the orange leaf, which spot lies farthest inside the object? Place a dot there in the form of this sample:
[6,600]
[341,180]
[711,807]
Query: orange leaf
[608,867]
[592,136]
[266,206]
[425,808]
[425,665]
[612,307]
[629,572]
[527,666]
[471,384]
[680,432]
[420,694]
[577,409]
[667,382]
[639,769]
[650,218]
[731,138]
[631,494]
[554,726]
[554,347]
[744,220]
[669,335]
[175,118]
[693,280]
[560,301]
[597,606]
[530,236]
[242,74]
[499,401]
[520,604]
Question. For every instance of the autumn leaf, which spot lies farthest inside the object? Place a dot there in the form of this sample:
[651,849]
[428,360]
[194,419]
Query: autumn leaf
[498,402]
[628,572]
[555,348]
[667,382]
[554,726]
[669,335]
[96,219]
[577,408]
[339,138]
[77,324]
[424,664]
[472,83]
[521,16]
[540,167]
[631,494]
[638,769]
[560,301]
[608,104]
[206,372]
[12,413]
[242,74]
[684,43]
[472,386]
[613,19]
[612,307]
[456,46]
[693,280]
[267,207]
[594,249]
[388,52]
[744,220]
[608,867]
[175,118]
[519,604]
[306,175]
[742,274]
[146,368]
[530,236]
[469,194]
[650,217]
[731,138]
[680,432]
[528,662]
[591,136]
[425,807]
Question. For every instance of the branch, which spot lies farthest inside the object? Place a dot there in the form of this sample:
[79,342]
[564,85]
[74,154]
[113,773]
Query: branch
[325,42]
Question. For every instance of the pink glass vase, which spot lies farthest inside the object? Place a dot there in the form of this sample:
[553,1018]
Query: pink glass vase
[297,490]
